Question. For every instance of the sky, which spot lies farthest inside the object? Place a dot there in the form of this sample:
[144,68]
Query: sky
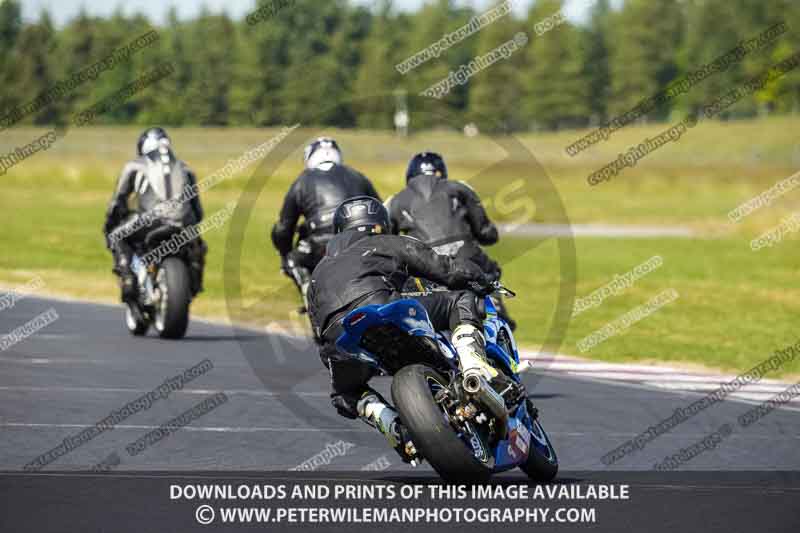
[63,10]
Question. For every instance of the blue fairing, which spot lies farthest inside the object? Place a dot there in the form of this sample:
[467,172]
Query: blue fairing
[410,316]
[492,327]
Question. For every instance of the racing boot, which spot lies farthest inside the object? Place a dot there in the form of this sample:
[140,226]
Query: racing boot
[127,279]
[471,348]
[304,293]
[374,410]
[302,278]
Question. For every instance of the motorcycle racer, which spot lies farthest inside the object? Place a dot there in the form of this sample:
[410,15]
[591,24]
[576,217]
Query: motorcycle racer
[321,187]
[365,266]
[446,215]
[156,178]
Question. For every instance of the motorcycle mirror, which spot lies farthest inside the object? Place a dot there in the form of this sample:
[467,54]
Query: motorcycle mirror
[505,291]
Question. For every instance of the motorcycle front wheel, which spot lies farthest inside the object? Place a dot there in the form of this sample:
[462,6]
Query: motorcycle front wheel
[542,462]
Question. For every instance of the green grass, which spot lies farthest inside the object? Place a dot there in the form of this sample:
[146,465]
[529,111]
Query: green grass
[735,307]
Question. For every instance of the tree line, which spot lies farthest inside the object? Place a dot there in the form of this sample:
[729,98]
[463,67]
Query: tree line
[336,63]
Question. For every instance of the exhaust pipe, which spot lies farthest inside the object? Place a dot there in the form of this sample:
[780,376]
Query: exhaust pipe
[472,382]
[476,386]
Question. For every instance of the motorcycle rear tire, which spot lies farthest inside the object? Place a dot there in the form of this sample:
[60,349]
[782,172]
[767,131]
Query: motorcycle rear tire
[430,431]
[172,313]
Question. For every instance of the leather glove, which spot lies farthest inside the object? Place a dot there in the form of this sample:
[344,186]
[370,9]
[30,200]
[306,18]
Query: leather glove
[483,286]
[477,280]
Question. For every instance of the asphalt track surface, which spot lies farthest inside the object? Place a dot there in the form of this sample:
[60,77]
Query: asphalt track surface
[76,370]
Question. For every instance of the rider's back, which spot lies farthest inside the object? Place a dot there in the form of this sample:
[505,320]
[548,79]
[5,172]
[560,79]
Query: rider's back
[358,264]
[319,192]
[158,184]
[353,267]
[432,210]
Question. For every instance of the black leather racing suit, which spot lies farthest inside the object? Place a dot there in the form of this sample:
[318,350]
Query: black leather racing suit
[154,178]
[361,269]
[314,195]
[448,216]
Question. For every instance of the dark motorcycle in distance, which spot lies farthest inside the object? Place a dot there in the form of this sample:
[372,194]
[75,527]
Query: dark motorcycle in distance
[165,286]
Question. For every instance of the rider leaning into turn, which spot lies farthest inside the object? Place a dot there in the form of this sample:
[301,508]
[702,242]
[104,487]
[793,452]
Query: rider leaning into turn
[155,177]
[446,215]
[324,184]
[364,266]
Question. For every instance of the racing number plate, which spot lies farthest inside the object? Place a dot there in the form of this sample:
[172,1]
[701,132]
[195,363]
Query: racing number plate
[519,441]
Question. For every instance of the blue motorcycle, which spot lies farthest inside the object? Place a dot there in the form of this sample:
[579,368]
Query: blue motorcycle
[461,424]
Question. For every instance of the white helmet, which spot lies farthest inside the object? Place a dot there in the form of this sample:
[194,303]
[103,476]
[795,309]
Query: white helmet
[322,154]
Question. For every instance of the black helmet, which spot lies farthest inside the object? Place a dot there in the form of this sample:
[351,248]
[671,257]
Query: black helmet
[429,163]
[151,139]
[363,213]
